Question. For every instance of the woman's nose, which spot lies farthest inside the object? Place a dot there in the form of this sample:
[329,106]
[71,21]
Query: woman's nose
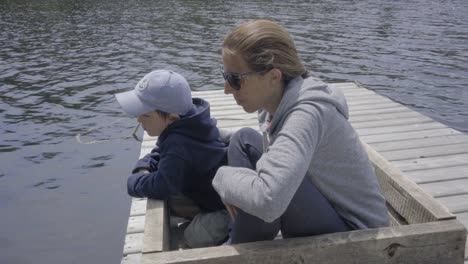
[227,88]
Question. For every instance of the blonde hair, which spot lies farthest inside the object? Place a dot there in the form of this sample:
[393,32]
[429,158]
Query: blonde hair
[264,44]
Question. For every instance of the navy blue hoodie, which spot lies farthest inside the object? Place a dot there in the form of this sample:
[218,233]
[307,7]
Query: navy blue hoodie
[185,160]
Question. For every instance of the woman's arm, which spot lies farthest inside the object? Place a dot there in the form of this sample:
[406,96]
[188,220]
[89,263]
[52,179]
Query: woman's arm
[267,192]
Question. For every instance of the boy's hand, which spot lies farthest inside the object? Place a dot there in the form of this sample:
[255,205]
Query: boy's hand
[143,170]
[232,210]
[149,162]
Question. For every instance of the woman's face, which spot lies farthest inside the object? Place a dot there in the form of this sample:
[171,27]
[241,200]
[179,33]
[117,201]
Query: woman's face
[255,90]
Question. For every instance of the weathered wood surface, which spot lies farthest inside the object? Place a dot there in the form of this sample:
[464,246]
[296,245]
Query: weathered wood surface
[156,236]
[435,242]
[438,174]
[410,201]
[136,224]
[426,152]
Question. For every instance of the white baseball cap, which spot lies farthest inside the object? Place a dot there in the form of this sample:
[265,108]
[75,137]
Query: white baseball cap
[161,90]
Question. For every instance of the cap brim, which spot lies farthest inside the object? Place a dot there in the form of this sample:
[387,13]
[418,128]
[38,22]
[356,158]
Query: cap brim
[131,104]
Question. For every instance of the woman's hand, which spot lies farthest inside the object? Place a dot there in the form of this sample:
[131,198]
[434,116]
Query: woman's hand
[232,210]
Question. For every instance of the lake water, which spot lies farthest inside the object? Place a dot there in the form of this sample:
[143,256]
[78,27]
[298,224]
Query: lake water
[62,61]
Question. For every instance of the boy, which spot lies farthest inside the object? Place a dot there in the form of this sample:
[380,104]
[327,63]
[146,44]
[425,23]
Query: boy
[187,153]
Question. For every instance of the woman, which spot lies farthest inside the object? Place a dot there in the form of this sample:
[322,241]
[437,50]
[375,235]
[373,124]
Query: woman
[309,174]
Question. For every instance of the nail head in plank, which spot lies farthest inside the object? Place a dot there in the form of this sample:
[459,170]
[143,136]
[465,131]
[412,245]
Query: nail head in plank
[431,162]
[136,224]
[420,142]
[426,152]
[133,243]
[138,206]
[131,259]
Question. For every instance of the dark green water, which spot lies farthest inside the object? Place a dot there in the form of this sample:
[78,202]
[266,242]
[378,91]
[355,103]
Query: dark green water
[62,61]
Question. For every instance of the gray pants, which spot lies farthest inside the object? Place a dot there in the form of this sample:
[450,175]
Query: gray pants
[309,212]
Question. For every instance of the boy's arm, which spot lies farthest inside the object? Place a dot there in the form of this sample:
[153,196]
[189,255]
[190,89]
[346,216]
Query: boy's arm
[148,163]
[166,180]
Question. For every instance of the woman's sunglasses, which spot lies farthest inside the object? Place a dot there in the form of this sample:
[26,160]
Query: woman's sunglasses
[234,79]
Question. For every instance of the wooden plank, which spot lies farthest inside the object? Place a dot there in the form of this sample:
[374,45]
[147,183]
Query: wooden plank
[131,259]
[156,238]
[136,224]
[243,116]
[426,152]
[456,204]
[344,85]
[463,218]
[382,105]
[148,144]
[144,151]
[220,100]
[436,242]
[431,163]
[438,174]
[369,100]
[392,122]
[382,117]
[225,107]
[365,100]
[396,109]
[395,137]
[232,123]
[251,119]
[357,93]
[356,107]
[395,218]
[133,243]
[446,188]
[397,129]
[218,113]
[206,93]
[408,199]
[138,206]
[420,142]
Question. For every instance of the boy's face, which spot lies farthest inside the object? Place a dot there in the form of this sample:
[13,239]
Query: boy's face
[153,123]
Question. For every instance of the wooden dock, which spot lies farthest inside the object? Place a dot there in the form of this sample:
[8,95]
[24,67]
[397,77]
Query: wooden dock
[430,154]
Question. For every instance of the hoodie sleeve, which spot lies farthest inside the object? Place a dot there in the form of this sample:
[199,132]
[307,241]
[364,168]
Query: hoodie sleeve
[267,192]
[148,162]
[166,180]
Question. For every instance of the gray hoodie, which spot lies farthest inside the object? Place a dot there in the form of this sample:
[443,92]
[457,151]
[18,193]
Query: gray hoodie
[309,136]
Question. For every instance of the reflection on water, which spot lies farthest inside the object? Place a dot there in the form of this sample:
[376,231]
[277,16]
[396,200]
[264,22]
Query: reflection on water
[62,61]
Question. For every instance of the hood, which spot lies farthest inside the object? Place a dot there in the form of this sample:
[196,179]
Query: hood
[307,91]
[196,124]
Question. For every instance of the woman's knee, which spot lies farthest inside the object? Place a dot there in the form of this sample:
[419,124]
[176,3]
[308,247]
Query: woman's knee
[245,148]
[244,135]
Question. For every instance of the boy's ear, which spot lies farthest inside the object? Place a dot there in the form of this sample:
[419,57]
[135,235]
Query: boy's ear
[173,117]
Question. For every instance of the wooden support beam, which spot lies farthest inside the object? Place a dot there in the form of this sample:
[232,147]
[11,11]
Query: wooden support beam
[156,236]
[436,242]
[406,197]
